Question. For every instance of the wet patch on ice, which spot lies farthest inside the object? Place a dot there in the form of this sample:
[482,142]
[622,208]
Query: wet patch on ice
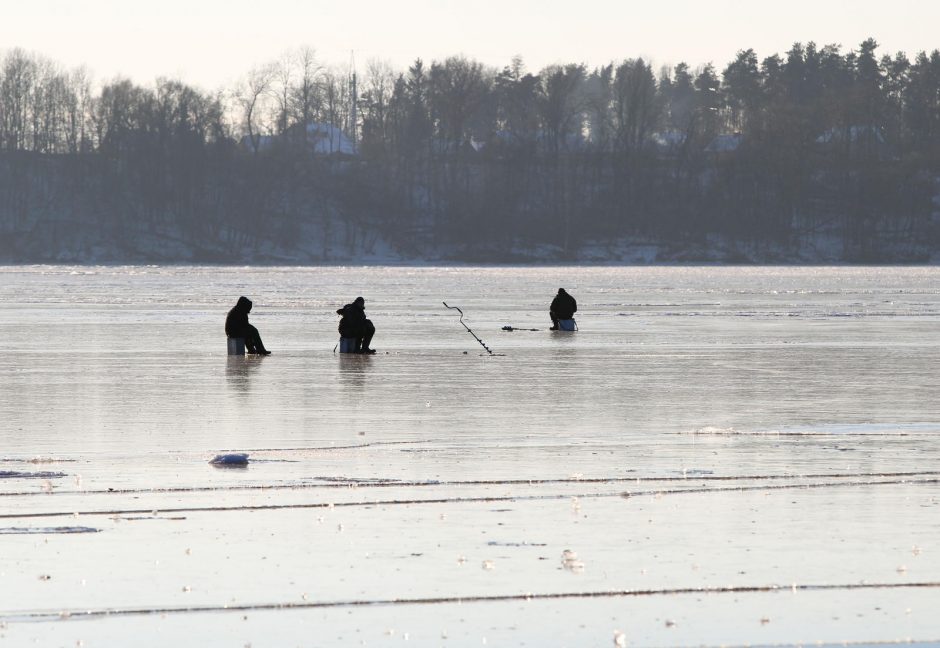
[15,474]
[496,543]
[828,429]
[693,472]
[47,530]
[709,429]
[36,460]
[356,446]
[360,480]
[257,461]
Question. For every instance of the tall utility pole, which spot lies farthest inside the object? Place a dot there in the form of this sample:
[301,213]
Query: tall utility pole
[353,116]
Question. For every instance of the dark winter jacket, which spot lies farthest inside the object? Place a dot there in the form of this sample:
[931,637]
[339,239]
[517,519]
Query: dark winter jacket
[236,324]
[354,319]
[563,306]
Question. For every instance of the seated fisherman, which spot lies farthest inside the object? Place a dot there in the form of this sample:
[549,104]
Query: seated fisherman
[237,326]
[355,325]
[563,308]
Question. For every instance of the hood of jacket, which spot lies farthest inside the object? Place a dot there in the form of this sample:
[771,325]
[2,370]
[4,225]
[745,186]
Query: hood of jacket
[243,305]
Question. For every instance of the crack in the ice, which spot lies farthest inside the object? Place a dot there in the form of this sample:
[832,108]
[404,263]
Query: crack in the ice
[466,500]
[366,483]
[52,615]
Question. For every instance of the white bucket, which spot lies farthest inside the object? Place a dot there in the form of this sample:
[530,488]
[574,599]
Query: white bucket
[236,346]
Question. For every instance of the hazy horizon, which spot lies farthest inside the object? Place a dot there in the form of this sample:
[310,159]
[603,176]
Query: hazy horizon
[213,43]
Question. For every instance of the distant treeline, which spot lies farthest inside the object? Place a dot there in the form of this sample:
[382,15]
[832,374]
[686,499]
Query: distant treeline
[815,145]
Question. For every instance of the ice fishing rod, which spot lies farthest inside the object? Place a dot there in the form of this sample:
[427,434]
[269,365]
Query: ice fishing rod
[516,328]
[482,344]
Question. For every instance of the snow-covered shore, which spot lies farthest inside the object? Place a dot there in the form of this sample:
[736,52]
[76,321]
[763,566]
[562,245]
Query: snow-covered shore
[86,247]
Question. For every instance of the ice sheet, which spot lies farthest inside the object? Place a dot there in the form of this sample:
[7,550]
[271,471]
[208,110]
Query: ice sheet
[736,455]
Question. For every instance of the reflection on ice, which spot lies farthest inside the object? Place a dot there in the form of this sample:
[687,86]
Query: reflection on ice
[238,370]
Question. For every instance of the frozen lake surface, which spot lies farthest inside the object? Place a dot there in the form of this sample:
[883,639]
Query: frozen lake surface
[720,456]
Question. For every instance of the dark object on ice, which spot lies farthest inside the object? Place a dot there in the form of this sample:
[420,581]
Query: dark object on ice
[563,307]
[355,326]
[237,326]
[468,328]
[231,459]
[46,530]
[515,328]
[15,474]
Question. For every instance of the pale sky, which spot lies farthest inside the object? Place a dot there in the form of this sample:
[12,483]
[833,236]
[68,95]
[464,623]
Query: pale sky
[210,43]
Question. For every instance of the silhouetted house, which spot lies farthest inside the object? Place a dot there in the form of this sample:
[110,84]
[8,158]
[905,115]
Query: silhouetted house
[326,139]
[725,144]
[320,140]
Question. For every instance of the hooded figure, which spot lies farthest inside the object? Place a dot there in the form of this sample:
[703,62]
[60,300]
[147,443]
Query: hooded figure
[563,308]
[355,325]
[237,326]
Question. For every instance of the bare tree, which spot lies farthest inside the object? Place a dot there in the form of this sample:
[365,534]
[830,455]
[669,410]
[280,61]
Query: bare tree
[306,99]
[635,109]
[19,71]
[283,72]
[561,104]
[336,100]
[250,98]
[458,86]
[77,106]
[376,96]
